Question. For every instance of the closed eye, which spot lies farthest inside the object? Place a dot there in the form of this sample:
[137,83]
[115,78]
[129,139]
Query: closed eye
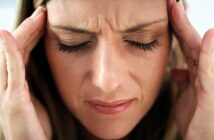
[73,48]
[144,46]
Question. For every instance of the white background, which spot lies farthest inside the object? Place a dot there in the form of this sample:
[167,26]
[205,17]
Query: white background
[7,14]
[200,12]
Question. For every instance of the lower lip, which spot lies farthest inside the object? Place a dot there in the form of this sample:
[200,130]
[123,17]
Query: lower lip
[111,110]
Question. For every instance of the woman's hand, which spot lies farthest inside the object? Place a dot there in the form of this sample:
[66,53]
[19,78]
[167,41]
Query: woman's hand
[195,105]
[20,117]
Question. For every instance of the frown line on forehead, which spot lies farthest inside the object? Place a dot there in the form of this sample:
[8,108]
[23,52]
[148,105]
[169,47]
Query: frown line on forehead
[135,28]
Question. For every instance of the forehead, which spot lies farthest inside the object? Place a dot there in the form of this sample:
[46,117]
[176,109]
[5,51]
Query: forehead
[118,13]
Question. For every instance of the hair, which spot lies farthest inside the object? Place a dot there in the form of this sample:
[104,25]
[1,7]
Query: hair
[153,126]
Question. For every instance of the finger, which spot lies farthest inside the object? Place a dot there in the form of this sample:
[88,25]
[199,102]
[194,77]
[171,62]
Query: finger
[3,72]
[14,62]
[183,29]
[206,60]
[30,31]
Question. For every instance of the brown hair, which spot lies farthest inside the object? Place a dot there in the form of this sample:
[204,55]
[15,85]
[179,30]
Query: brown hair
[65,127]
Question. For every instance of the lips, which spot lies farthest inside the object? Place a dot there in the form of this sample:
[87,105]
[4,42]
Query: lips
[110,108]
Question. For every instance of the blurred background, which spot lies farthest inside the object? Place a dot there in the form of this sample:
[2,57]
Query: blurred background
[200,13]
[7,14]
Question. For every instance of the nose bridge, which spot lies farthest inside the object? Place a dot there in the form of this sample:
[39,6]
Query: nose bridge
[107,71]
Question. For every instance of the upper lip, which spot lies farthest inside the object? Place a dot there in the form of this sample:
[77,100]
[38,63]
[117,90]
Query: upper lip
[108,104]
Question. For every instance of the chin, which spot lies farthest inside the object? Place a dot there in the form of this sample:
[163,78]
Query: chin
[110,135]
[110,131]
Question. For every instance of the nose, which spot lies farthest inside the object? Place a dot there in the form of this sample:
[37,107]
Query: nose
[108,70]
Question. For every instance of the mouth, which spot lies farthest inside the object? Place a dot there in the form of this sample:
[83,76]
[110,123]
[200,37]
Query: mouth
[110,108]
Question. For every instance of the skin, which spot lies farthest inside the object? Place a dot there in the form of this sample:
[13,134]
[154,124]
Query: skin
[23,117]
[109,69]
[19,118]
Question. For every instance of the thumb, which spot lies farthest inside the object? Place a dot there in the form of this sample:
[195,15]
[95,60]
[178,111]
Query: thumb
[206,62]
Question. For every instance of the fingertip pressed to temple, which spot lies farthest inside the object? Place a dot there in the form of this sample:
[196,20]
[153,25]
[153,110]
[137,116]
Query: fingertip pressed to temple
[170,3]
[38,12]
[177,11]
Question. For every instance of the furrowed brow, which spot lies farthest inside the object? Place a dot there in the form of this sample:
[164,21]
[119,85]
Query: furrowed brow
[86,31]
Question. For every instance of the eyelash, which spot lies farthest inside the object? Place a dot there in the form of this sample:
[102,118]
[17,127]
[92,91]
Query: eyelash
[75,48]
[143,46]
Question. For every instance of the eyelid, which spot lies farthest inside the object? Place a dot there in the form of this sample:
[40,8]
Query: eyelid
[146,40]
[145,35]
[140,38]
[74,41]
[142,42]
[73,48]
[77,44]
[71,38]
[67,35]
[144,46]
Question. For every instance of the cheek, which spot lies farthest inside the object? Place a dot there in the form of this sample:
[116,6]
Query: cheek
[66,72]
[149,73]
[149,70]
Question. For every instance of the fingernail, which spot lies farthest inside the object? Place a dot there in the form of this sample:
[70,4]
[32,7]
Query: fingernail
[39,10]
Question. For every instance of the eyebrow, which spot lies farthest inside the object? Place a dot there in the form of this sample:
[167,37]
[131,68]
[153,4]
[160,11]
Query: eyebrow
[129,30]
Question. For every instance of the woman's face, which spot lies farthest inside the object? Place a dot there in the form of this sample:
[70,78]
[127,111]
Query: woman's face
[108,58]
